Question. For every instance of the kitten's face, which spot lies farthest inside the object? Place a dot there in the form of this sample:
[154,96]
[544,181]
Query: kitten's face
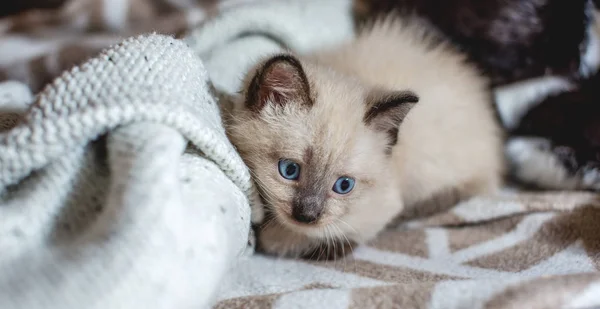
[320,157]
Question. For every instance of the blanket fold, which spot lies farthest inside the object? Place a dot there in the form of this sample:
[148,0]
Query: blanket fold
[99,203]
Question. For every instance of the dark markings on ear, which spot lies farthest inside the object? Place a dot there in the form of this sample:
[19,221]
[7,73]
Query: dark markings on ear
[385,103]
[281,79]
[387,109]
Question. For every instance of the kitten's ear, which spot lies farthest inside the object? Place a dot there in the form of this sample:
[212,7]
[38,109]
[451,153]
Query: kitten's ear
[386,110]
[280,80]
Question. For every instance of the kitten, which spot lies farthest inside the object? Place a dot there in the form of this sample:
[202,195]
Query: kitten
[536,53]
[510,40]
[564,135]
[341,141]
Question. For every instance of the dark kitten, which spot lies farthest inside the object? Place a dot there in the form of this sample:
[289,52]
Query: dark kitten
[510,40]
[10,7]
[569,122]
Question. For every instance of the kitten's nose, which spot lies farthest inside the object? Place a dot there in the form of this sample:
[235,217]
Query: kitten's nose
[304,217]
[307,210]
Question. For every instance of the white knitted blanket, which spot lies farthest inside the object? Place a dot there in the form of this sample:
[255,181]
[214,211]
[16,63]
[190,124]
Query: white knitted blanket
[103,203]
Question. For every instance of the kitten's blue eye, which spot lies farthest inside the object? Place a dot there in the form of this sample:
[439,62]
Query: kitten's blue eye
[289,169]
[343,185]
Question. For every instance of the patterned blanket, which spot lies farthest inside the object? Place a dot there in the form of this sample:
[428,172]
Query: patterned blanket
[514,250]
[39,43]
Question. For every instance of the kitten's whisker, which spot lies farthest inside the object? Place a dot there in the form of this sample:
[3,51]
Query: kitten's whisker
[334,241]
[343,234]
[270,221]
[298,253]
[320,253]
[263,188]
[342,244]
[314,251]
[330,238]
[347,240]
[348,225]
[326,246]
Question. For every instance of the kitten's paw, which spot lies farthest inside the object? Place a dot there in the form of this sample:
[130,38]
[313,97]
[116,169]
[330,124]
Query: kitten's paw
[537,162]
[275,239]
[533,162]
[567,157]
[591,176]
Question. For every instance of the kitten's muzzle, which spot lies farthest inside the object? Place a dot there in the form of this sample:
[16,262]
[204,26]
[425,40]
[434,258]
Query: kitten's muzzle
[307,209]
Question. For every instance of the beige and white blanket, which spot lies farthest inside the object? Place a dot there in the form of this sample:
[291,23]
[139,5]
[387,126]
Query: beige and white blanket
[514,250]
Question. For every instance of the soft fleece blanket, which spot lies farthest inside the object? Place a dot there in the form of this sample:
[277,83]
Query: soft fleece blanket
[182,245]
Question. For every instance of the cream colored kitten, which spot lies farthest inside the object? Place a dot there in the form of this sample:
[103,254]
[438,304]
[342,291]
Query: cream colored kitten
[340,141]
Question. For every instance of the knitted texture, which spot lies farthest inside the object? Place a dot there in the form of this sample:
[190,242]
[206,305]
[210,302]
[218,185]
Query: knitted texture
[118,186]
[14,99]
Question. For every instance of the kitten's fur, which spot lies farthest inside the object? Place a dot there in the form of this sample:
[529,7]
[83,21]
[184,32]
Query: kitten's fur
[349,112]
[542,57]
[510,40]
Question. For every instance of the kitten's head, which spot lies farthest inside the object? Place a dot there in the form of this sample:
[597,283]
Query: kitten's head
[318,144]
